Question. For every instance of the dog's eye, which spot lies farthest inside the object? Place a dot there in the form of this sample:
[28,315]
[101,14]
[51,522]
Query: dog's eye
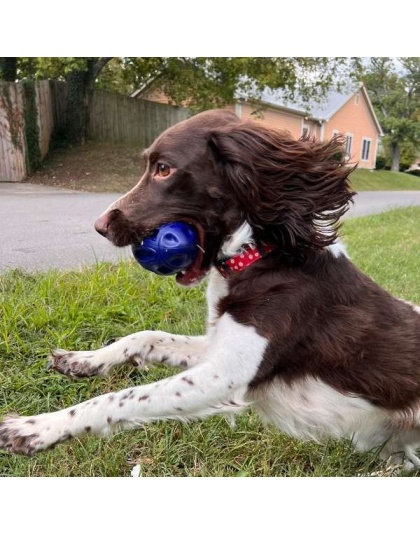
[162,170]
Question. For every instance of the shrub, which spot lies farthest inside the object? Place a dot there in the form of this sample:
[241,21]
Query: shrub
[380,162]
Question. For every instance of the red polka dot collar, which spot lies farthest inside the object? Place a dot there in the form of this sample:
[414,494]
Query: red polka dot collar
[248,254]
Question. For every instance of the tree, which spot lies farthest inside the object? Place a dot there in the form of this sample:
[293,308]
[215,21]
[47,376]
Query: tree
[8,69]
[394,89]
[208,82]
[202,82]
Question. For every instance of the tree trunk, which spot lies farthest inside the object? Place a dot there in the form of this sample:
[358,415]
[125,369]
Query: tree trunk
[80,84]
[8,69]
[76,116]
[395,155]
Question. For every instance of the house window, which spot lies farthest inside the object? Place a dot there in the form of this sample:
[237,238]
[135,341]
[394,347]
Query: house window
[356,99]
[366,149]
[306,131]
[349,144]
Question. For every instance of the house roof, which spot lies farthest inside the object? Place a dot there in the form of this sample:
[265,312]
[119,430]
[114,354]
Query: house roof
[322,110]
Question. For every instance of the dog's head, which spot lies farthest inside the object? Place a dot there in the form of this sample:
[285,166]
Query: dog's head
[216,172]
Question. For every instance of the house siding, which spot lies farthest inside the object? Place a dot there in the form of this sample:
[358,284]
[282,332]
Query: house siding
[357,120]
[277,118]
[154,95]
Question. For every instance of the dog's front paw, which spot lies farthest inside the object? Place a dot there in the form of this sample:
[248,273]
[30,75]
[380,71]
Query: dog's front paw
[28,435]
[80,364]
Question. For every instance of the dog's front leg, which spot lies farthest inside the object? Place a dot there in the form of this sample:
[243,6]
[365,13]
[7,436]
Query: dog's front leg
[151,346]
[216,385]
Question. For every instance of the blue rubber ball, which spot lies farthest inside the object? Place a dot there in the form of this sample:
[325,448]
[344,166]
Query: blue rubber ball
[171,248]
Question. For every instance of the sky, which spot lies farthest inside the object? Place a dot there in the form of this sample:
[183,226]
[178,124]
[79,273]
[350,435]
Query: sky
[219,28]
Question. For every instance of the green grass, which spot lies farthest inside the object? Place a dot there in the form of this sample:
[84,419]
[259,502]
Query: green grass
[366,180]
[85,308]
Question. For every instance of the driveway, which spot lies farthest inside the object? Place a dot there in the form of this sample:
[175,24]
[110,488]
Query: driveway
[45,227]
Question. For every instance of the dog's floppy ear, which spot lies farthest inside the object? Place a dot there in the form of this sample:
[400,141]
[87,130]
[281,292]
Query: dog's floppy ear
[292,192]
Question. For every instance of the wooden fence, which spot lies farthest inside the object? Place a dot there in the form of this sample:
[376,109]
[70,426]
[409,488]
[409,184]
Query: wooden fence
[113,117]
[50,100]
[12,138]
[124,119]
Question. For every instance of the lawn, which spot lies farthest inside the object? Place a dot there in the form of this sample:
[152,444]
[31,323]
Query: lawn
[82,309]
[366,180]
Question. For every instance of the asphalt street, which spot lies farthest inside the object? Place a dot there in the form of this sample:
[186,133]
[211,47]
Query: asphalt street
[45,227]
[49,227]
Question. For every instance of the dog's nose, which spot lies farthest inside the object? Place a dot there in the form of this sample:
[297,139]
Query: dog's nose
[102,224]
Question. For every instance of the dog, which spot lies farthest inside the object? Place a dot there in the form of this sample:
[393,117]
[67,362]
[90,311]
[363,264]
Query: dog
[294,331]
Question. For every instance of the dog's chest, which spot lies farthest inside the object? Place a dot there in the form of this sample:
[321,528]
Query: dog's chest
[216,290]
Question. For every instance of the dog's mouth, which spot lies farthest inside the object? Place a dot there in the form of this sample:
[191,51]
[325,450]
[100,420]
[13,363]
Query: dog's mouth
[197,271]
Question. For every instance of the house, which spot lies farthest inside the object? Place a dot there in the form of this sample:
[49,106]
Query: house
[349,113]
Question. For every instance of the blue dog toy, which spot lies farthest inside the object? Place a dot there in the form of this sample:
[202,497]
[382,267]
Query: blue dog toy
[171,248]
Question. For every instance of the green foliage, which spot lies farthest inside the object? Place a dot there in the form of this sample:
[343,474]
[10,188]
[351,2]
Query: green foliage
[50,67]
[414,172]
[394,89]
[14,116]
[33,152]
[8,69]
[408,154]
[380,162]
[208,82]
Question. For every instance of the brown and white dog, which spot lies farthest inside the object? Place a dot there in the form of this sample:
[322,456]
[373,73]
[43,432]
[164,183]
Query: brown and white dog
[295,331]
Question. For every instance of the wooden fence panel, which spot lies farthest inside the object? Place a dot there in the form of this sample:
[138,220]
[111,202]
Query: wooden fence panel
[12,141]
[124,119]
[45,115]
[51,100]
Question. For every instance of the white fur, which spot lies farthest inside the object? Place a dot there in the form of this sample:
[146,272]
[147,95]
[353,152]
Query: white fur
[338,249]
[311,409]
[216,290]
[242,235]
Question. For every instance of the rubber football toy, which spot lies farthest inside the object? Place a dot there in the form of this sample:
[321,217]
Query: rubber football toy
[171,248]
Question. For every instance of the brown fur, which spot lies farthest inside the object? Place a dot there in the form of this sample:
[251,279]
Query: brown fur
[325,319]
[322,316]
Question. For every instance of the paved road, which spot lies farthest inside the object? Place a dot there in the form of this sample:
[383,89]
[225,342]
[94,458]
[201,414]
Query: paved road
[370,202]
[45,227]
[49,227]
